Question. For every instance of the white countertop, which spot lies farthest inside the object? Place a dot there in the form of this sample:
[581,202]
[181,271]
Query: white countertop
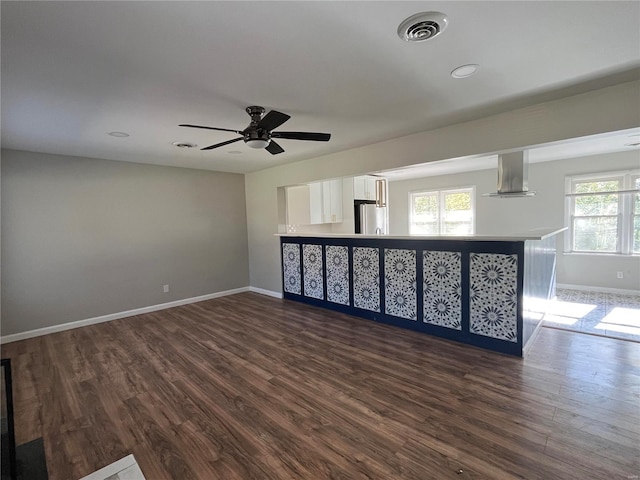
[536,234]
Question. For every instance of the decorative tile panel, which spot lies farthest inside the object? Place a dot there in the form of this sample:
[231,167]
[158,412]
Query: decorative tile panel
[366,278]
[442,289]
[493,295]
[312,271]
[400,283]
[291,263]
[337,274]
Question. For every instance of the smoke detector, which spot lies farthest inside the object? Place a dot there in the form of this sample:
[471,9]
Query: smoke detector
[423,26]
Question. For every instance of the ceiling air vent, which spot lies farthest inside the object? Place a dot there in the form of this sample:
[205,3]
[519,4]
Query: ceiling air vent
[422,26]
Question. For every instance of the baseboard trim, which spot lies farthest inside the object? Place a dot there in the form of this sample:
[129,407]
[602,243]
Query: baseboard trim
[114,316]
[585,288]
[262,291]
[532,338]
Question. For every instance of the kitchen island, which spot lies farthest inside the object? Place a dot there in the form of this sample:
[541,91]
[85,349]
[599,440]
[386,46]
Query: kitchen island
[482,290]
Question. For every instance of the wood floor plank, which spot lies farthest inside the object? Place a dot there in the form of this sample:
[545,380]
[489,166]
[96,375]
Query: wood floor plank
[251,387]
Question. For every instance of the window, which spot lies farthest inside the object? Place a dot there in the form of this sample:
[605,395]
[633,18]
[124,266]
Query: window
[604,213]
[442,212]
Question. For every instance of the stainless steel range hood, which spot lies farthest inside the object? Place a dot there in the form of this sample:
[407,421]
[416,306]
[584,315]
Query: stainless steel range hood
[513,173]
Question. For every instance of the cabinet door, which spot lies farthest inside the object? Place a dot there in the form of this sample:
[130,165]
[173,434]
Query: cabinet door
[359,188]
[326,202]
[316,203]
[298,205]
[370,188]
[335,188]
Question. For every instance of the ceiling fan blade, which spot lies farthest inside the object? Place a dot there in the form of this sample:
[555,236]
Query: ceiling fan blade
[314,136]
[210,128]
[272,120]
[273,148]
[211,147]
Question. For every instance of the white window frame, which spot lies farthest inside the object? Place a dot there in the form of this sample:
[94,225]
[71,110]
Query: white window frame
[441,205]
[624,241]
[634,175]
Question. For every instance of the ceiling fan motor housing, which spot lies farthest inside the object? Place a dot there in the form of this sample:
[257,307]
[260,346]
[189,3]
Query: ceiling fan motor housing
[253,136]
[255,113]
[256,134]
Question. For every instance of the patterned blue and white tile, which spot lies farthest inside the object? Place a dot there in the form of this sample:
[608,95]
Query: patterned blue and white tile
[493,299]
[337,274]
[617,300]
[400,283]
[312,271]
[442,289]
[598,313]
[366,278]
[291,271]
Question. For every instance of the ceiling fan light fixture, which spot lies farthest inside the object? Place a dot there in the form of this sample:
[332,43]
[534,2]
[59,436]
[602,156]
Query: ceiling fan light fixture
[258,143]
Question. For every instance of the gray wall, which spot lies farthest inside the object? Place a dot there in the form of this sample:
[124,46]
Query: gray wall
[545,210]
[605,110]
[86,237]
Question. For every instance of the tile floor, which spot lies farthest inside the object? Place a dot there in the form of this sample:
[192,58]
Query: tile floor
[605,314]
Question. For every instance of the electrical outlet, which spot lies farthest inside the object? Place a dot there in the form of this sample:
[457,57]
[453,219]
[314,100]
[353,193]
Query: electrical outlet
[620,275]
[165,288]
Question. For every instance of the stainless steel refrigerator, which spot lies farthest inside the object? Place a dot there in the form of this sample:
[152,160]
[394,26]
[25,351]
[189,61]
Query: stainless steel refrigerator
[371,219]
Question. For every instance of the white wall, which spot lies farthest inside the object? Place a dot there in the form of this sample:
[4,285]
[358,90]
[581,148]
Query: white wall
[605,110]
[84,237]
[546,209]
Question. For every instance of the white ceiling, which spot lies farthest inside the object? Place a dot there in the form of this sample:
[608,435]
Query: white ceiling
[74,71]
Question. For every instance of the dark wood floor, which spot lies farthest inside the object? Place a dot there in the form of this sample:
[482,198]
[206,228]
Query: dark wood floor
[251,387]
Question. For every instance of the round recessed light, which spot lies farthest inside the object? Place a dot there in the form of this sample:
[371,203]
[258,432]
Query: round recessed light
[118,134]
[235,152]
[465,71]
[184,144]
[422,26]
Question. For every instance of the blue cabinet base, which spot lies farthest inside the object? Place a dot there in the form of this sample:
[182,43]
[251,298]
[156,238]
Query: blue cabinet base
[473,290]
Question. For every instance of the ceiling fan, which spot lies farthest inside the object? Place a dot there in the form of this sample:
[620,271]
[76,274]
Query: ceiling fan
[259,133]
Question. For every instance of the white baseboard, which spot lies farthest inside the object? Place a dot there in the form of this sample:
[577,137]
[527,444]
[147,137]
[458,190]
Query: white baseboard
[597,289]
[527,346]
[114,316]
[262,291]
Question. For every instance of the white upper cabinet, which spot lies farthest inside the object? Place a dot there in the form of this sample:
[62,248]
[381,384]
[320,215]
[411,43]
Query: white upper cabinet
[315,203]
[333,208]
[364,187]
[326,201]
